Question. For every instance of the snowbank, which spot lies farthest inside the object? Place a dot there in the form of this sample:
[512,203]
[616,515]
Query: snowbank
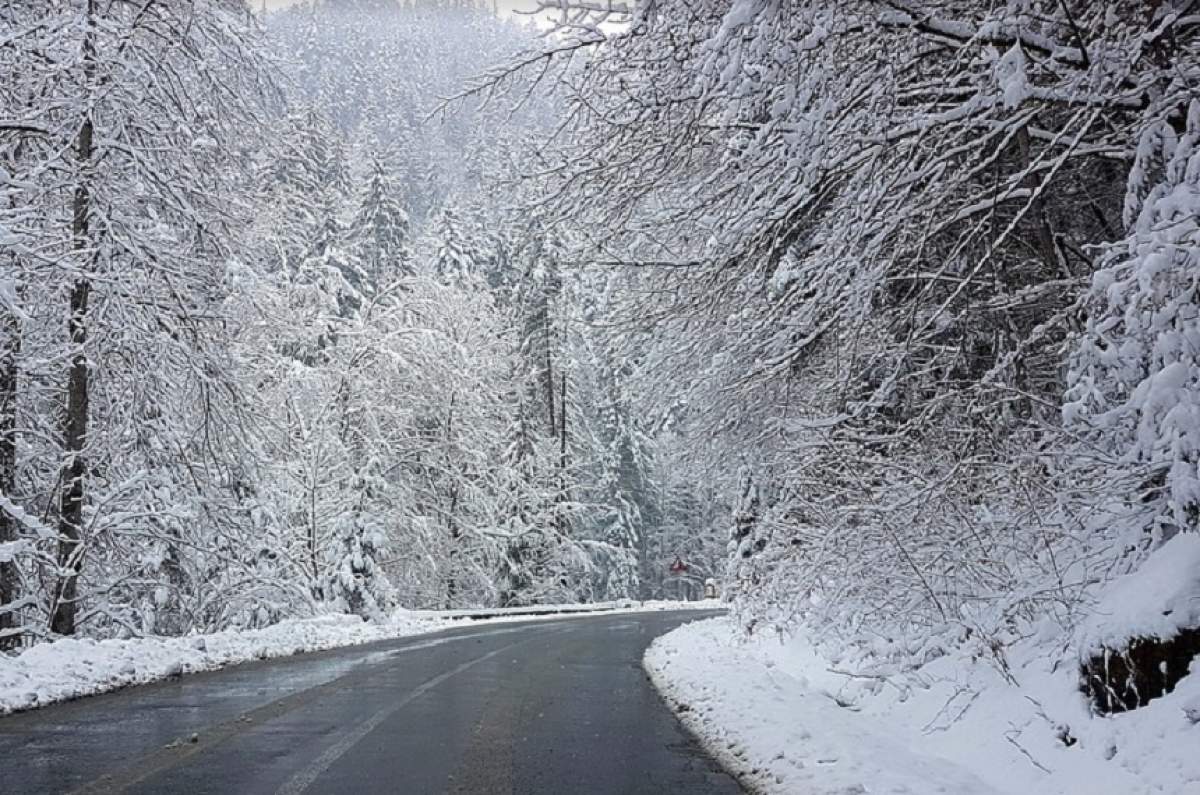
[70,668]
[1157,601]
[778,714]
[527,611]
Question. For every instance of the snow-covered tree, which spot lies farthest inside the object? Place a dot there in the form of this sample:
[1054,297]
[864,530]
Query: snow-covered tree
[380,230]
[357,583]
[128,155]
[1135,380]
[861,231]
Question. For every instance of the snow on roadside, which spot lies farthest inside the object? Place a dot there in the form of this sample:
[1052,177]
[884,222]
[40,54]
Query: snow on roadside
[775,713]
[777,734]
[559,610]
[73,667]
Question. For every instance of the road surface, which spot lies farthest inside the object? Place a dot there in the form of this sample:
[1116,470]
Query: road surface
[536,707]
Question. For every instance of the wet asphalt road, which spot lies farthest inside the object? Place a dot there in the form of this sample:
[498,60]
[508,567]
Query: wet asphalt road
[557,707]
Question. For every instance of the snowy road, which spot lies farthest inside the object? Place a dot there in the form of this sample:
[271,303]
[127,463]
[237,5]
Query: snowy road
[550,706]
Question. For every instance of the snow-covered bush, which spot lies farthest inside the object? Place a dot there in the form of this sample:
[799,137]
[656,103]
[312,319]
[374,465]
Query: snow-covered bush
[864,235]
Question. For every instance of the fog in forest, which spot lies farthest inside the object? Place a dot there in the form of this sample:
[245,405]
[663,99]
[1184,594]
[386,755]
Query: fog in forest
[876,319]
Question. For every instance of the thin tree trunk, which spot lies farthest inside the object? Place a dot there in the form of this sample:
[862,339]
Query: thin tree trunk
[559,519]
[550,386]
[451,519]
[70,521]
[10,344]
[1046,247]
[455,536]
[318,590]
[562,429]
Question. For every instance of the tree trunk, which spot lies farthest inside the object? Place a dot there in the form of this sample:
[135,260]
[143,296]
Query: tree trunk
[549,381]
[70,518]
[451,518]
[318,589]
[560,519]
[10,345]
[70,521]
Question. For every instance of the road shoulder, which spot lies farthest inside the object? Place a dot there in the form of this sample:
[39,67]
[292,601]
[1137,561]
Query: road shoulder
[776,734]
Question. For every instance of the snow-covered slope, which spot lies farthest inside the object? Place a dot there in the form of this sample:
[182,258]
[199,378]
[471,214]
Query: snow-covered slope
[790,721]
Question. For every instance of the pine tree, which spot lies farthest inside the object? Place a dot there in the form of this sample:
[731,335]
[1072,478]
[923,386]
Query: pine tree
[625,488]
[357,583]
[457,254]
[380,229]
[309,184]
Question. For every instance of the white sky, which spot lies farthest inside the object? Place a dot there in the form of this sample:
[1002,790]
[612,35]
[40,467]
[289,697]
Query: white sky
[507,6]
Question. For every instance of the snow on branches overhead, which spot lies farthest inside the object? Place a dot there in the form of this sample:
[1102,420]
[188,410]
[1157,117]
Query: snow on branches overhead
[867,231]
[271,344]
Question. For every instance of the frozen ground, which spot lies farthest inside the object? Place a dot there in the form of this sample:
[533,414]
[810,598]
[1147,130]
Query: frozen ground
[70,668]
[790,721]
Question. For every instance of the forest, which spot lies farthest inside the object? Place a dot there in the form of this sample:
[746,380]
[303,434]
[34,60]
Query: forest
[276,342]
[882,313]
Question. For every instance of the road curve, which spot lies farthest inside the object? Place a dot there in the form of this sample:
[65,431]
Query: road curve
[535,707]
